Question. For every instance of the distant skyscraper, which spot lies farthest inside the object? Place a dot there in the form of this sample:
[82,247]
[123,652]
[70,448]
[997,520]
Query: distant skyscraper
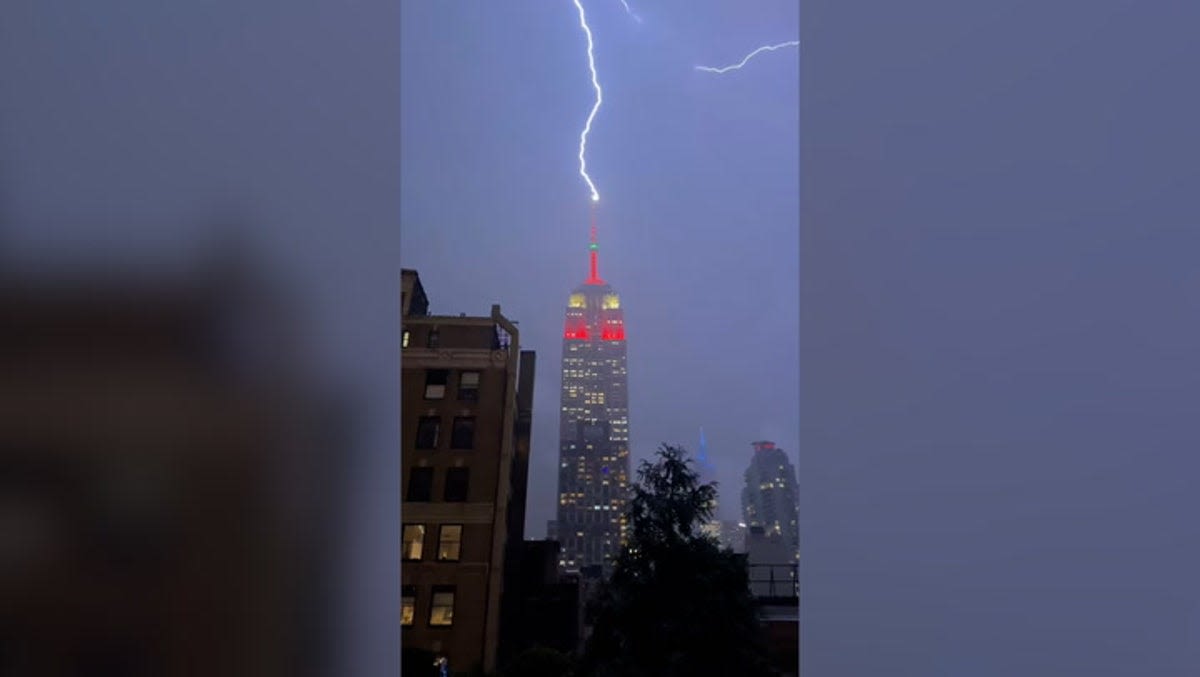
[769,498]
[707,473]
[593,472]
[704,466]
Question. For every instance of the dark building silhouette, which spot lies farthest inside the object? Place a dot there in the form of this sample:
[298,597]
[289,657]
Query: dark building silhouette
[775,584]
[543,607]
[769,511]
[593,474]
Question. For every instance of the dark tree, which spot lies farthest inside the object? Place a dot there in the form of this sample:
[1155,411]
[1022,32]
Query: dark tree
[676,605]
[418,662]
[539,662]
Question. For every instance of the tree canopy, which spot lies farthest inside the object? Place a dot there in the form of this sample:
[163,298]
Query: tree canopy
[676,603]
[539,662]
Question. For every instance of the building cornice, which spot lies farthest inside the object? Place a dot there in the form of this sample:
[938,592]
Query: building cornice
[482,358]
[449,513]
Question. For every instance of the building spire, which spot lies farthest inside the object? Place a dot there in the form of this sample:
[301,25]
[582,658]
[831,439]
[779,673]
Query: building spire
[594,252]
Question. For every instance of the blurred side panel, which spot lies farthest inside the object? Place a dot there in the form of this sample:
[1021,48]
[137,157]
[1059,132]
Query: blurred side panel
[167,486]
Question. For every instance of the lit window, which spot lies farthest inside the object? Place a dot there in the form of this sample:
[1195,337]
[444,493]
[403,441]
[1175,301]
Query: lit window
[414,541]
[404,339]
[441,607]
[408,605]
[468,386]
[449,542]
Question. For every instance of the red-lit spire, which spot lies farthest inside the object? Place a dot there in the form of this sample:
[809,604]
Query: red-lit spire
[594,252]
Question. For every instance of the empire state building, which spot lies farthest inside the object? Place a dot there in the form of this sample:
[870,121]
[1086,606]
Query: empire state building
[593,470]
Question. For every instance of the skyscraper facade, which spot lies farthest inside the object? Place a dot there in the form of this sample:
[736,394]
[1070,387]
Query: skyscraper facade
[593,472]
[769,497]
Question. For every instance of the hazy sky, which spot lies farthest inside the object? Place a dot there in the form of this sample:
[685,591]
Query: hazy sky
[698,177]
[998,338]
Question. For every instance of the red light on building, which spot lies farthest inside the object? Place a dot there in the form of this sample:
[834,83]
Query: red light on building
[576,331]
[616,333]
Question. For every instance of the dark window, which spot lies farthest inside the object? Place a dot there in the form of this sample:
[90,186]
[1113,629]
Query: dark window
[449,542]
[435,384]
[441,606]
[463,434]
[408,605]
[413,541]
[457,480]
[468,386]
[428,428]
[431,339]
[420,485]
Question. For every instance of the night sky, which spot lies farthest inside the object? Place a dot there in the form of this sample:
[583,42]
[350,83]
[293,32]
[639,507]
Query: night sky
[973,326]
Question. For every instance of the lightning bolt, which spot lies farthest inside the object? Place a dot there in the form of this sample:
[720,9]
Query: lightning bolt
[587,127]
[630,12]
[751,55]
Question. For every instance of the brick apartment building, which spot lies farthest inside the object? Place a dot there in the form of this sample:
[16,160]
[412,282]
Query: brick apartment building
[466,402]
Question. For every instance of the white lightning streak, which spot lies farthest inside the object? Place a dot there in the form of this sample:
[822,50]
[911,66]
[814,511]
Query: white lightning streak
[765,48]
[630,12]
[587,127]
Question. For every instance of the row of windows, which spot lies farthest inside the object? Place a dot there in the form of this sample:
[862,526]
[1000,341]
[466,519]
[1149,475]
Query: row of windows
[432,339]
[587,516]
[441,606]
[449,547]
[429,432]
[436,381]
[420,485]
